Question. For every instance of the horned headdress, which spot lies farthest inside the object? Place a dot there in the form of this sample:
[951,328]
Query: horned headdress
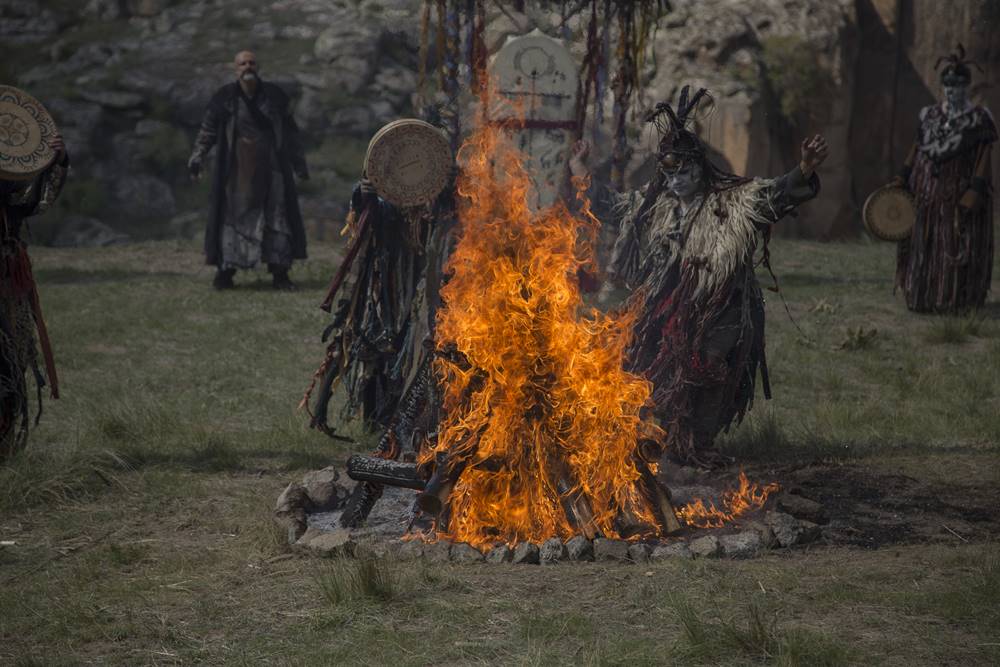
[677,142]
[956,70]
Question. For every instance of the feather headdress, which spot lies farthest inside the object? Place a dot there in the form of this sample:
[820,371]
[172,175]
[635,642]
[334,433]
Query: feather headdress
[956,70]
[672,124]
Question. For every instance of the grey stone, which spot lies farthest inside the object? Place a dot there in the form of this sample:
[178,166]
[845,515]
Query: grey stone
[24,22]
[438,552]
[639,552]
[741,545]
[552,551]
[465,553]
[605,549]
[580,548]
[788,530]
[500,554]
[141,197]
[766,533]
[322,489]
[338,542]
[705,547]
[407,549]
[113,99]
[352,120]
[674,550]
[289,511]
[525,553]
[802,508]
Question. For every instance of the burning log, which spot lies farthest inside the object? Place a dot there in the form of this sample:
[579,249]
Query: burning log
[385,472]
[367,493]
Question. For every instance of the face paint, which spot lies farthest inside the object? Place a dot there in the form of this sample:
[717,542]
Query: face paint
[684,181]
[956,96]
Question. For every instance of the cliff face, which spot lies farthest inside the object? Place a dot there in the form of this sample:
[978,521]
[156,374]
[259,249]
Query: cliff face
[128,81]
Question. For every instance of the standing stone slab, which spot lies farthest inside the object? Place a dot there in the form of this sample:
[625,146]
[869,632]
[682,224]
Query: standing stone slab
[605,549]
[526,553]
[552,551]
[538,75]
[639,552]
[706,547]
[465,553]
[500,554]
[579,548]
[741,545]
[669,551]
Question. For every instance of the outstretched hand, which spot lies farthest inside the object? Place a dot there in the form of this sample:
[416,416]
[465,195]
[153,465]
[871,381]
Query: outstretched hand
[578,159]
[814,152]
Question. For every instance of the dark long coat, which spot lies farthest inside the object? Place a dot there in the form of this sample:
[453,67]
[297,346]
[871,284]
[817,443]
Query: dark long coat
[218,127]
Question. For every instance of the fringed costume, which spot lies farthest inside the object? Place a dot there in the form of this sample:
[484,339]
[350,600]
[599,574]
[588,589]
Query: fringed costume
[20,310]
[699,337]
[946,264]
[378,341]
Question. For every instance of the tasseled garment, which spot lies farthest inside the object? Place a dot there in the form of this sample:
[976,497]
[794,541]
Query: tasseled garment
[946,265]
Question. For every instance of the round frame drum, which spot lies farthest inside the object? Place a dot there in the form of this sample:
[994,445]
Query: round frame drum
[409,162]
[26,129]
[890,213]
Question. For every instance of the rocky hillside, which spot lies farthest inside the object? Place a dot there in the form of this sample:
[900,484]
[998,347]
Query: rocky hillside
[128,81]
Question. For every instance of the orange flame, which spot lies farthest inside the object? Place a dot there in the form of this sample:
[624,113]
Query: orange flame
[556,415]
[735,503]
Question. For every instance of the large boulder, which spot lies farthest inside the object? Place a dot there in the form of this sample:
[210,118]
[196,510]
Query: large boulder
[138,197]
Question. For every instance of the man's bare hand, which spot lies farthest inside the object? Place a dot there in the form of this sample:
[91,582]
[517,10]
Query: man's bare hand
[367,187]
[578,159]
[814,152]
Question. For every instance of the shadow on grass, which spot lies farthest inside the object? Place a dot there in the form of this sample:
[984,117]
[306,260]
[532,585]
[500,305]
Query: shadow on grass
[763,439]
[153,437]
[72,276]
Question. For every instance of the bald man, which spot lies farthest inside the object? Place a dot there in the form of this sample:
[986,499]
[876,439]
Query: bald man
[254,216]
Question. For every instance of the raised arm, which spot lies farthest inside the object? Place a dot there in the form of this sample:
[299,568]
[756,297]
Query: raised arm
[799,185]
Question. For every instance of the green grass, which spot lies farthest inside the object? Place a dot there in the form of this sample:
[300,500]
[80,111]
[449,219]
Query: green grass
[140,513]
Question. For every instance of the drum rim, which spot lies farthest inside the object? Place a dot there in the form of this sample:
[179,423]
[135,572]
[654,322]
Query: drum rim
[869,202]
[43,165]
[394,125]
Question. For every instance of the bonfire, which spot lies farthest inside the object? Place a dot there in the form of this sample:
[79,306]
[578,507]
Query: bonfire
[542,432]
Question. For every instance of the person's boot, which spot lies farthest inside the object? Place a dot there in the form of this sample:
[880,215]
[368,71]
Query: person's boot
[224,279]
[280,279]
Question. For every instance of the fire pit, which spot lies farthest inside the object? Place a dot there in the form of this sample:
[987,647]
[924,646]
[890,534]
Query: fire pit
[543,438]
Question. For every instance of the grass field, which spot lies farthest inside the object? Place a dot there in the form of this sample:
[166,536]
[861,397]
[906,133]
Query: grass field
[137,527]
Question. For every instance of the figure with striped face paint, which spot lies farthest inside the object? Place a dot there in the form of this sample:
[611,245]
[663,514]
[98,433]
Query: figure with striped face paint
[686,252]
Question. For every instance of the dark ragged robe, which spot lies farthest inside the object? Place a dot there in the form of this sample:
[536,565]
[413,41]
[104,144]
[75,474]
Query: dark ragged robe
[379,341]
[699,337]
[248,206]
[20,310]
[946,265]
